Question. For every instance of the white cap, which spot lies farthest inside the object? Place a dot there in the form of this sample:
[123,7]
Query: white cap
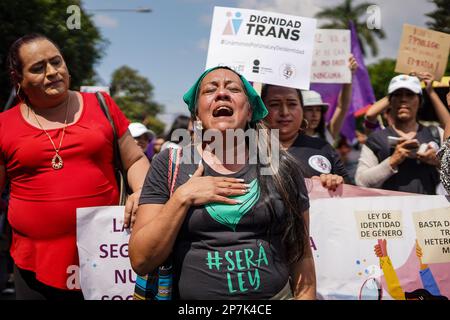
[313,98]
[138,129]
[411,83]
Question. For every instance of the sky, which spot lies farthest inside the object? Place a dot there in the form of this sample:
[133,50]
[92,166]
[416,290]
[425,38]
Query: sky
[169,45]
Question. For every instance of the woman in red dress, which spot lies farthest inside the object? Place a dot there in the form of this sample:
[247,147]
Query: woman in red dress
[56,150]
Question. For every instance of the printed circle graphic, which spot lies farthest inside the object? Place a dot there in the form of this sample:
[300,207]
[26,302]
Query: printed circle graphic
[320,163]
[287,71]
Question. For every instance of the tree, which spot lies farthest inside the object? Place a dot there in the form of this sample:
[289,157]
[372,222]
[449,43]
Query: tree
[134,94]
[440,16]
[341,16]
[155,124]
[440,20]
[381,74]
[82,48]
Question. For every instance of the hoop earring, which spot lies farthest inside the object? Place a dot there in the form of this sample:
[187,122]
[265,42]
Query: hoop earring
[197,127]
[304,125]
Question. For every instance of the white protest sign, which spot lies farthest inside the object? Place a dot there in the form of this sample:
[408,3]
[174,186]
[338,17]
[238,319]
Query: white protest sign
[94,89]
[345,233]
[264,47]
[330,59]
[105,269]
[433,234]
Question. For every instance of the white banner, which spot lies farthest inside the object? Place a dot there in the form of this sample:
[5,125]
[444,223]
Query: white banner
[370,247]
[330,59]
[263,46]
[394,247]
[105,270]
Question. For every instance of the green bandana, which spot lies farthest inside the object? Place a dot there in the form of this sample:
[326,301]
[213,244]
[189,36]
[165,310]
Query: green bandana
[258,107]
[230,215]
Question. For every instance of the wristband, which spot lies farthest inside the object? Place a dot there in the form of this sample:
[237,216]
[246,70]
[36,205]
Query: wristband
[371,125]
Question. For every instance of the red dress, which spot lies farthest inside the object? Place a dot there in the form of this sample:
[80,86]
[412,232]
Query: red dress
[43,202]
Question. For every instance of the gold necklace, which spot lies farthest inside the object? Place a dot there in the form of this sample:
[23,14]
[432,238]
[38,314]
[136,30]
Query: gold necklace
[57,161]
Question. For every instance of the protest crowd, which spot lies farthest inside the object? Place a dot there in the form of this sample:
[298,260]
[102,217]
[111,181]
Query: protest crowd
[203,224]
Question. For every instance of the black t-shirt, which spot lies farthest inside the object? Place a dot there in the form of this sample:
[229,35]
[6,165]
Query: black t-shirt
[413,175]
[316,156]
[225,251]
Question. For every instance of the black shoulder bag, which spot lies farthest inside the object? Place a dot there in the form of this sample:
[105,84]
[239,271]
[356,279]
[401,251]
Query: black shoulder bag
[118,167]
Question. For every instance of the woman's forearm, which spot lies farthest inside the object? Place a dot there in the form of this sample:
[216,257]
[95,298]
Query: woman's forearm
[152,243]
[371,173]
[440,109]
[341,110]
[305,279]
[137,172]
[303,273]
[376,109]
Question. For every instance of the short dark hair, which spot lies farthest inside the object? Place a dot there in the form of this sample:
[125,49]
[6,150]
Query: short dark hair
[14,63]
[180,122]
[265,89]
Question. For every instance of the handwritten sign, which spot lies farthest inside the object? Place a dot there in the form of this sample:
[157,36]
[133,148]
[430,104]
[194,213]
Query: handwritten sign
[423,50]
[330,59]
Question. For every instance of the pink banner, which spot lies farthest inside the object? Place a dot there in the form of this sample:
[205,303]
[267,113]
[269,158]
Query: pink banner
[317,191]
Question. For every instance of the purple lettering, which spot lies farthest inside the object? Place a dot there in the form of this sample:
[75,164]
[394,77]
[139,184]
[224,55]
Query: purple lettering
[104,250]
[114,250]
[117,228]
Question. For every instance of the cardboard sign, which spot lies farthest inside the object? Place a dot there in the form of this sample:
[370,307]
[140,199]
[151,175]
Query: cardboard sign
[330,59]
[263,46]
[423,50]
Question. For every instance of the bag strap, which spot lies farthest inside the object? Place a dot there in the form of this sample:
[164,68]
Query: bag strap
[173,167]
[435,134]
[122,183]
[157,285]
[105,109]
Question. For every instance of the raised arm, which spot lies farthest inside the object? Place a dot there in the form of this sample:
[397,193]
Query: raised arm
[345,97]
[439,107]
[376,109]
